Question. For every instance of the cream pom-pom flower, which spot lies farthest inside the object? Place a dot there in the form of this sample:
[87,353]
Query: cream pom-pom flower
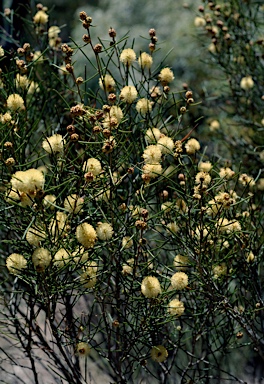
[165,144]
[143,106]
[92,165]
[192,146]
[152,135]
[83,349]
[41,259]
[107,83]
[152,154]
[179,280]
[28,181]
[128,94]
[41,17]
[152,170]
[181,262]
[176,307]
[53,144]
[128,56]
[104,231]
[159,353]
[166,76]
[58,224]
[150,287]
[15,263]
[35,235]
[73,203]
[145,60]
[15,102]
[86,235]
[62,258]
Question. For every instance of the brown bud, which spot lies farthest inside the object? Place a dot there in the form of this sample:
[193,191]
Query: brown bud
[83,15]
[39,6]
[151,47]
[181,177]
[188,94]
[144,213]
[106,108]
[20,51]
[183,110]
[190,100]
[10,162]
[112,32]
[74,137]
[98,48]
[89,177]
[154,39]
[164,194]
[86,39]
[130,170]
[115,323]
[140,224]
[106,132]
[201,8]
[69,68]
[26,47]
[239,335]
[166,89]
[79,80]
[152,32]
[97,129]
[8,144]
[70,129]
[111,97]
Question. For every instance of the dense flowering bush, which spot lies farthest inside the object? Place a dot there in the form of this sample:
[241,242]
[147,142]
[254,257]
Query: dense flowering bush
[124,242]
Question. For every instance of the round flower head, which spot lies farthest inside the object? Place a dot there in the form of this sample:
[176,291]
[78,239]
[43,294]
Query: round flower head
[92,165]
[107,83]
[21,81]
[192,146]
[152,154]
[166,76]
[145,60]
[41,17]
[127,242]
[35,235]
[28,181]
[86,235]
[165,144]
[15,102]
[88,277]
[172,228]
[159,353]
[82,349]
[41,259]
[2,52]
[176,307]
[61,258]
[53,32]
[219,270]
[53,144]
[128,94]
[104,231]
[49,201]
[152,170]
[247,83]
[245,180]
[205,166]
[150,287]
[128,56]
[226,173]
[181,262]
[143,106]
[152,135]
[203,178]
[179,280]
[80,256]
[15,263]
[58,225]
[250,257]
[199,21]
[214,126]
[73,203]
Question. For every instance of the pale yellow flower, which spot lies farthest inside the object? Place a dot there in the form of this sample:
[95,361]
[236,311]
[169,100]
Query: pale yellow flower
[15,263]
